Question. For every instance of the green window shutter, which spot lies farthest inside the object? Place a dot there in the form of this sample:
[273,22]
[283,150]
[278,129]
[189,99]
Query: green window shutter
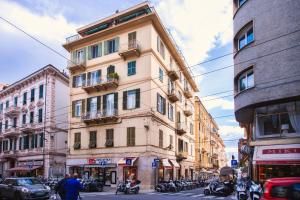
[116,101]
[83,79]
[104,103]
[105,47]
[85,52]
[98,103]
[88,105]
[117,42]
[133,136]
[125,100]
[164,106]
[99,74]
[99,49]
[89,52]
[74,81]
[128,136]
[73,108]
[82,106]
[137,98]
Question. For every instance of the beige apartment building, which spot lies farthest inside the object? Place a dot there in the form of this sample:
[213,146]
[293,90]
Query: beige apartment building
[132,101]
[210,149]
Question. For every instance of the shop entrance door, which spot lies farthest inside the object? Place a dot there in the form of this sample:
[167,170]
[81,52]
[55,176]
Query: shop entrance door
[130,173]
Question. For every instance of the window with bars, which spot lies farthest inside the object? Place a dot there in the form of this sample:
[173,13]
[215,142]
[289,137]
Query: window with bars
[161,139]
[41,91]
[31,119]
[32,94]
[131,68]
[93,139]
[109,138]
[40,117]
[131,136]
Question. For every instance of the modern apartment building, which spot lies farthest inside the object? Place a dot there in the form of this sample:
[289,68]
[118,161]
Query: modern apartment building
[210,149]
[267,84]
[33,126]
[132,101]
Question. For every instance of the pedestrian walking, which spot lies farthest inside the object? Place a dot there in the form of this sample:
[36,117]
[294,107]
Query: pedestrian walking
[72,188]
[60,187]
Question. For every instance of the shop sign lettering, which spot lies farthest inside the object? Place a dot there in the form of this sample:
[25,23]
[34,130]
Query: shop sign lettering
[281,151]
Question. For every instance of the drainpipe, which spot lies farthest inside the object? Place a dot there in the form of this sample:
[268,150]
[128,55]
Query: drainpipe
[44,127]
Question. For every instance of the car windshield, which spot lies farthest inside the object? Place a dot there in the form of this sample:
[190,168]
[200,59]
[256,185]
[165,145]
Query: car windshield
[28,181]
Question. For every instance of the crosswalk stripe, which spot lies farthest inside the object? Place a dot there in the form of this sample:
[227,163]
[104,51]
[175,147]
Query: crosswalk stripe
[198,195]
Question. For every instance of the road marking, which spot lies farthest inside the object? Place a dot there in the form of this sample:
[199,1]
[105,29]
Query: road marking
[198,195]
[220,198]
[185,194]
[208,197]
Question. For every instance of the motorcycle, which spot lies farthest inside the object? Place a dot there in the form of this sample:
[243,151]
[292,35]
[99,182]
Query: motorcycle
[241,191]
[255,191]
[121,187]
[217,188]
[132,187]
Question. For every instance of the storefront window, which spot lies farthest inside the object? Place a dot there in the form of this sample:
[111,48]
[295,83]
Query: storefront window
[279,119]
[130,173]
[277,171]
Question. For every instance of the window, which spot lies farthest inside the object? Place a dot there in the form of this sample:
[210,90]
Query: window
[246,81]
[131,68]
[170,112]
[78,56]
[241,2]
[77,108]
[25,98]
[161,75]
[95,51]
[40,117]
[77,140]
[180,145]
[110,104]
[279,119]
[32,95]
[245,38]
[0,129]
[132,43]
[111,46]
[93,139]
[41,91]
[79,80]
[31,117]
[26,142]
[160,47]
[161,104]
[131,99]
[161,139]
[41,139]
[6,124]
[93,78]
[191,128]
[14,122]
[34,141]
[5,145]
[186,147]
[7,104]
[16,101]
[279,192]
[24,119]
[131,136]
[1,108]
[109,138]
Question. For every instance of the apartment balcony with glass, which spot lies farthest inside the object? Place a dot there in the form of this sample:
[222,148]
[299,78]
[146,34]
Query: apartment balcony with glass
[104,116]
[181,128]
[12,111]
[95,83]
[130,49]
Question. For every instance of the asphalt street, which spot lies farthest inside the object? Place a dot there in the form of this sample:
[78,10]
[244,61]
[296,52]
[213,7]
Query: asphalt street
[189,194]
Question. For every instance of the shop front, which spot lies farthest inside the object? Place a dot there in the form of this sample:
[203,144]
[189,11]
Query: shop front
[276,161]
[165,170]
[27,168]
[129,168]
[176,169]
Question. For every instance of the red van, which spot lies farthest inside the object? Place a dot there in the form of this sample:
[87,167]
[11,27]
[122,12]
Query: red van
[282,189]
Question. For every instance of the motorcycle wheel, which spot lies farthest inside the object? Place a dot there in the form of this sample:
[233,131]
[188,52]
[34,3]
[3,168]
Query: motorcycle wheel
[136,191]
[206,192]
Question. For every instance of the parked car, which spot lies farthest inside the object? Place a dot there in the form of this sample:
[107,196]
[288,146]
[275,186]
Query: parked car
[282,188]
[24,189]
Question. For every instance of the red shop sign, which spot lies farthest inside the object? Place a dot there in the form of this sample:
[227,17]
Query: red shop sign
[281,151]
[91,161]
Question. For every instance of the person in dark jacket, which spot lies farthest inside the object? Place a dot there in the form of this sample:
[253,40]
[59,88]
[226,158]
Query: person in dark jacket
[72,188]
[60,187]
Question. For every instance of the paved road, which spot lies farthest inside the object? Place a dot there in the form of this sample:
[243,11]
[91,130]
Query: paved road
[184,195]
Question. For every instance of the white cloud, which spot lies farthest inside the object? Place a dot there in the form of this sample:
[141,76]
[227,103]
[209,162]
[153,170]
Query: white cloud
[216,102]
[53,29]
[197,25]
[231,150]
[231,132]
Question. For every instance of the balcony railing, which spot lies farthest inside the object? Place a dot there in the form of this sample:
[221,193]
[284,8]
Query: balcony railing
[173,74]
[29,127]
[76,64]
[173,95]
[181,128]
[101,84]
[105,116]
[187,92]
[181,156]
[12,111]
[132,48]
[9,154]
[73,38]
[13,131]
[188,111]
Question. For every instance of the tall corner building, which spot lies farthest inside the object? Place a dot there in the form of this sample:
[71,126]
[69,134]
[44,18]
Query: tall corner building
[132,101]
[267,84]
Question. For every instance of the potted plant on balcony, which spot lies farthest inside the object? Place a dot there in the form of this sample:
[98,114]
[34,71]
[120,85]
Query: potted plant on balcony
[77,145]
[113,75]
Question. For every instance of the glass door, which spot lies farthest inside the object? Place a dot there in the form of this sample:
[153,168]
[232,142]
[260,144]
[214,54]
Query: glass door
[110,105]
[93,107]
[80,56]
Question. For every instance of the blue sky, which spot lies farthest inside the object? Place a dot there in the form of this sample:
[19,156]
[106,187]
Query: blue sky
[201,28]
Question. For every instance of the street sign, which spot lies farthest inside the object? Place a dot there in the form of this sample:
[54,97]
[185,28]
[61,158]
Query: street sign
[154,165]
[234,163]
[156,160]
[128,161]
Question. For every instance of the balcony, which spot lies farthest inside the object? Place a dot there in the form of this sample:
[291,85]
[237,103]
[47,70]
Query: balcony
[131,49]
[9,154]
[173,95]
[173,75]
[181,156]
[110,115]
[28,128]
[180,128]
[76,64]
[188,110]
[12,132]
[187,93]
[102,84]
[72,38]
[12,111]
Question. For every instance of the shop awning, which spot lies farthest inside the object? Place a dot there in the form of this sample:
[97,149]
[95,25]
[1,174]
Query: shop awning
[166,164]
[175,163]
[288,154]
[122,161]
[23,169]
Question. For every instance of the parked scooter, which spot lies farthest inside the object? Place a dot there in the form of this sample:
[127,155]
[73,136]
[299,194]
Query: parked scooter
[217,188]
[121,187]
[132,187]
[241,190]
[255,191]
